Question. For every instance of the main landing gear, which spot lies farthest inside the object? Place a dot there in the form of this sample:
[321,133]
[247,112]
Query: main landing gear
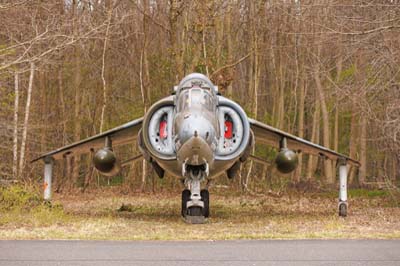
[195,201]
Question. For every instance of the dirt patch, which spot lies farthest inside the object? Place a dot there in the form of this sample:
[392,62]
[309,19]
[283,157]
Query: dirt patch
[106,215]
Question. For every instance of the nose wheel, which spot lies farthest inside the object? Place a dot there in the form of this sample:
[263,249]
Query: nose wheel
[342,209]
[185,199]
[205,197]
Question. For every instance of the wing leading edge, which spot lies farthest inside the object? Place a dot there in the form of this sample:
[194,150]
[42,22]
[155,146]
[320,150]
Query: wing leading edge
[119,135]
[272,136]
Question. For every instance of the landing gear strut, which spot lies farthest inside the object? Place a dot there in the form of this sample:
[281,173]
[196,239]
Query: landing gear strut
[342,187]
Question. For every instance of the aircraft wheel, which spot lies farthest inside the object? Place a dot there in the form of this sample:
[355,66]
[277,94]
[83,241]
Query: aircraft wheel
[157,168]
[342,209]
[185,199]
[205,197]
[195,211]
[232,172]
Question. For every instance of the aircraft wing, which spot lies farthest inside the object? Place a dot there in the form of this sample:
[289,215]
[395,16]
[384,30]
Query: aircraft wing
[120,135]
[271,136]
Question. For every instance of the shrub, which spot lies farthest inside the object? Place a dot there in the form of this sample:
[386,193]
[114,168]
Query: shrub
[18,197]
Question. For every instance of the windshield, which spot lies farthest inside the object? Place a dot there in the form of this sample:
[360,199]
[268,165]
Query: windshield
[195,98]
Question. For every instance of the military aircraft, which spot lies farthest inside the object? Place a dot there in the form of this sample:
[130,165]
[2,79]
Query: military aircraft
[196,134]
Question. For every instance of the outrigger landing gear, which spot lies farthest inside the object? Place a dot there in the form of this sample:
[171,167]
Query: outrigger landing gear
[48,174]
[342,187]
[195,202]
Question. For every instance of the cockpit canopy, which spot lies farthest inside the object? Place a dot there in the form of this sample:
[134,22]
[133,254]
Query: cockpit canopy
[196,91]
[195,98]
[196,80]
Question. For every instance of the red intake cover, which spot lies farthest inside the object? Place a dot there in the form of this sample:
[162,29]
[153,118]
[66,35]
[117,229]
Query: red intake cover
[163,129]
[228,129]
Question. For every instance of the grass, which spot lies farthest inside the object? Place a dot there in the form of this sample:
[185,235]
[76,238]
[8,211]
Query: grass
[367,193]
[108,215]
[21,206]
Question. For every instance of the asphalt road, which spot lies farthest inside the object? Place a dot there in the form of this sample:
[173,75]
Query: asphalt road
[174,253]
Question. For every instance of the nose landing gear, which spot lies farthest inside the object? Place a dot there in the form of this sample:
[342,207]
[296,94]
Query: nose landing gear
[195,202]
[195,214]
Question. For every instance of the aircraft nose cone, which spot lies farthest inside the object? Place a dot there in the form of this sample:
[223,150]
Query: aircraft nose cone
[195,136]
[196,126]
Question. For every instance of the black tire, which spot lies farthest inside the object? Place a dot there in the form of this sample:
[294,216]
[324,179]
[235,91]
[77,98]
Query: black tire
[185,199]
[157,168]
[342,210]
[205,197]
[195,211]
[232,172]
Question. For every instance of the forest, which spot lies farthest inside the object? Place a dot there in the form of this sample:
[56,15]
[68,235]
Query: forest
[327,71]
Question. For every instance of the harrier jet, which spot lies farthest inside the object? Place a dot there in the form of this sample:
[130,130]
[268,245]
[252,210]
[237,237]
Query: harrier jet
[196,134]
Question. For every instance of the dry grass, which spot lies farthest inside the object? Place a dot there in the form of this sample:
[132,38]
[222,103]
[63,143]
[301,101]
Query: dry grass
[155,216]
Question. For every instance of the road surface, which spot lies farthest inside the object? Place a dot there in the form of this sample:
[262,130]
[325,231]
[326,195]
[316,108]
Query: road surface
[176,253]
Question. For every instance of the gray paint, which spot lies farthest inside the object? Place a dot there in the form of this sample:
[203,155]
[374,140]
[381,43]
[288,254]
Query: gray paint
[272,136]
[343,182]
[123,134]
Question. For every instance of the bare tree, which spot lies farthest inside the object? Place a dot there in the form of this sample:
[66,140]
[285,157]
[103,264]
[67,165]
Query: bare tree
[15,134]
[26,119]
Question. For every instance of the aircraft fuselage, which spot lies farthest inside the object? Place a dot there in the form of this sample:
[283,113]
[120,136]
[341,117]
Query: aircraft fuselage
[195,130]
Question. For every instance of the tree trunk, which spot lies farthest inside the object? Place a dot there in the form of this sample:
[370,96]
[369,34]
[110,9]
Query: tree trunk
[77,115]
[300,122]
[15,134]
[353,143]
[339,67]
[174,13]
[144,175]
[44,91]
[297,175]
[26,120]
[255,77]
[62,104]
[325,124]
[312,160]
[103,66]
[144,88]
[74,162]
[204,47]
[335,139]
[229,44]
[363,151]
[281,106]
[394,170]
